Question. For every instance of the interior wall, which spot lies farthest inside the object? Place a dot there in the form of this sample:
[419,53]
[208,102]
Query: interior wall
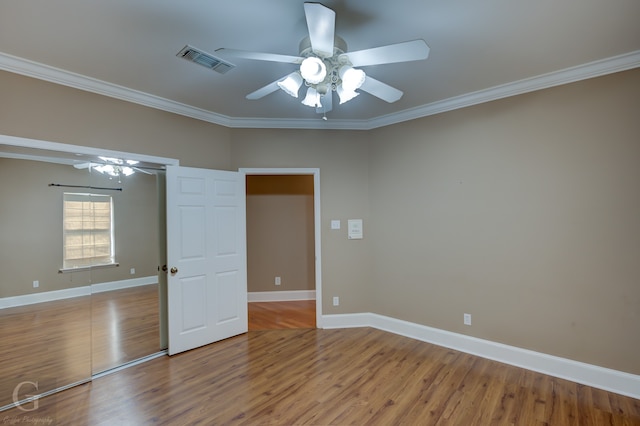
[342,157]
[524,213]
[37,109]
[31,227]
[280,233]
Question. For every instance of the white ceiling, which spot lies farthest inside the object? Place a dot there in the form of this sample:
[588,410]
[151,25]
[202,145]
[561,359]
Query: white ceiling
[480,50]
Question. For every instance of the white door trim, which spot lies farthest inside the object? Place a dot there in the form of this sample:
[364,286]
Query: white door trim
[316,219]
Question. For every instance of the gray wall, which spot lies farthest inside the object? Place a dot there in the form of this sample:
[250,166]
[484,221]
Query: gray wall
[31,226]
[280,233]
[523,212]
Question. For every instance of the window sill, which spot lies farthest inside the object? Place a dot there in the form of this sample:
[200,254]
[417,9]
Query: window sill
[87,268]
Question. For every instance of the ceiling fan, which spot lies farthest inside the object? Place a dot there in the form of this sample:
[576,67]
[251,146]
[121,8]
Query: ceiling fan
[326,66]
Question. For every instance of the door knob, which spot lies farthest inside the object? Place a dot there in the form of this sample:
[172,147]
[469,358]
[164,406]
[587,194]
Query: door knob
[164,268]
[174,270]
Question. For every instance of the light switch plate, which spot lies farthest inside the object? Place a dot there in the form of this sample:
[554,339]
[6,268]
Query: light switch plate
[335,224]
[467,319]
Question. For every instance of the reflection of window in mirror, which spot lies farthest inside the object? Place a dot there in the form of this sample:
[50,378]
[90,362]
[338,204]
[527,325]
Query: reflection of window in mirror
[87,230]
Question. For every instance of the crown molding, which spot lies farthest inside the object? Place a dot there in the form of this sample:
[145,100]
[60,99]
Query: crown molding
[586,71]
[598,68]
[40,71]
[307,123]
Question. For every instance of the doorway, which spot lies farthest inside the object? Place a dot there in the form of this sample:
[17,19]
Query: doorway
[283,248]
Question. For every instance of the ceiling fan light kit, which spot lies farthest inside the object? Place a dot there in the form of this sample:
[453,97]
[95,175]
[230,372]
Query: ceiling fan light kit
[312,99]
[291,84]
[326,66]
[352,78]
[345,95]
[313,70]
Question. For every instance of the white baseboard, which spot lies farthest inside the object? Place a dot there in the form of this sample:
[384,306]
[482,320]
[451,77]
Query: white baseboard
[46,296]
[587,374]
[119,285]
[281,296]
[49,296]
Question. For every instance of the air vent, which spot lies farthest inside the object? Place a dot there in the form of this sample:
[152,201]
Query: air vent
[205,59]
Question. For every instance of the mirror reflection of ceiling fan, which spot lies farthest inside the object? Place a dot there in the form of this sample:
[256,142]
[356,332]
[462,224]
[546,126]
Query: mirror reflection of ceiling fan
[114,167]
[326,66]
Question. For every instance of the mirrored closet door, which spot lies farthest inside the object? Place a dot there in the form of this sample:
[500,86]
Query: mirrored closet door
[80,251]
[124,298]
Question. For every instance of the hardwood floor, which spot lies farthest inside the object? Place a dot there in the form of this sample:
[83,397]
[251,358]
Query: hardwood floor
[360,376]
[48,343]
[66,341]
[282,315]
[125,326]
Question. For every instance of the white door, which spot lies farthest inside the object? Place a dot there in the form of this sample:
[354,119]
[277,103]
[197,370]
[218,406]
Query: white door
[206,253]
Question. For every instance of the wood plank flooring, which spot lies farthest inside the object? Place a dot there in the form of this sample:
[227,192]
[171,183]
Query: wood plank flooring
[359,376]
[48,343]
[62,342]
[282,315]
[125,326]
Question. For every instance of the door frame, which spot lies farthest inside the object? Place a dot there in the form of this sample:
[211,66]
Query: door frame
[317,225]
[79,149]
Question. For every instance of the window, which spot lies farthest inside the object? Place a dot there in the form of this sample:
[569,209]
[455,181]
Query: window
[88,230]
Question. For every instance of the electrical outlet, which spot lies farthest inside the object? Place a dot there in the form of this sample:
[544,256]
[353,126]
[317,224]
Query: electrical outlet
[133,271]
[278,281]
[336,301]
[36,284]
[467,319]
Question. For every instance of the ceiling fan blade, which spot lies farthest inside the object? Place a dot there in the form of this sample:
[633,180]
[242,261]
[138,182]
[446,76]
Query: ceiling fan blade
[138,169]
[400,52]
[327,103]
[381,90]
[264,91]
[259,56]
[321,22]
